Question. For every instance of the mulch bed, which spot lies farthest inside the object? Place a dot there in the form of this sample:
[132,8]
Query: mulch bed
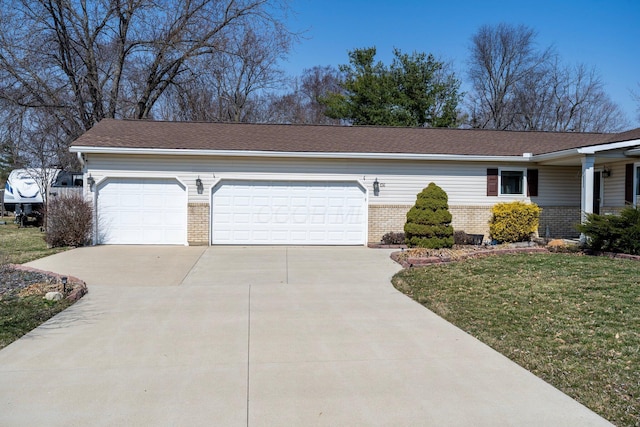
[24,281]
[421,256]
[416,257]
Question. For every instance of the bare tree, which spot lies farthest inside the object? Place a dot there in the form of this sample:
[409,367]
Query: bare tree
[77,62]
[566,99]
[303,104]
[520,87]
[226,86]
[635,95]
[502,57]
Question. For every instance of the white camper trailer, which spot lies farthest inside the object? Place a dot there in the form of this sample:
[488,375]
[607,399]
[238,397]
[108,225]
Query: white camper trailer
[23,190]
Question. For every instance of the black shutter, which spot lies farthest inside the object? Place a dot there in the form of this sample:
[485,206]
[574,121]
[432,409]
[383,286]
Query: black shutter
[492,182]
[532,182]
[628,183]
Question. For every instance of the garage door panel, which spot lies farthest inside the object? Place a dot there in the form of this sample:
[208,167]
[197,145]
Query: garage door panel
[141,211]
[288,212]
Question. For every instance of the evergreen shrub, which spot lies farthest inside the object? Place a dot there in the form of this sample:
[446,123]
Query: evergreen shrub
[614,233]
[429,220]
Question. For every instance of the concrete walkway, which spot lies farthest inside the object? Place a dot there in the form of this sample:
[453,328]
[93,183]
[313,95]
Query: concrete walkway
[234,336]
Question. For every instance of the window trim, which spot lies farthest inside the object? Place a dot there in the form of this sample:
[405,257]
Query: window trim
[524,181]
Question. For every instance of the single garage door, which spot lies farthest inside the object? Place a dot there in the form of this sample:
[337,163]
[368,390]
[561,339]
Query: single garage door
[142,211]
[288,213]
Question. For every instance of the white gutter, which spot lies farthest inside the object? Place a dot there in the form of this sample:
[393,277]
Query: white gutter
[634,152]
[606,147]
[558,155]
[527,157]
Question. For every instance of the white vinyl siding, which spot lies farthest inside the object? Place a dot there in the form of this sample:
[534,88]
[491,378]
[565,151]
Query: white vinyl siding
[613,185]
[401,181]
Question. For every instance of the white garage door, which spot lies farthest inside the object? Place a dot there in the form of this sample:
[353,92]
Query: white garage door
[288,212]
[142,211]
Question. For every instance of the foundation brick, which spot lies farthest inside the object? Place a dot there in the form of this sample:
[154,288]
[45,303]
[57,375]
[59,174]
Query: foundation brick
[561,220]
[386,218]
[198,224]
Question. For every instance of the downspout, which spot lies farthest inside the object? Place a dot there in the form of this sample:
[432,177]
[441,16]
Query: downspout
[81,160]
[94,202]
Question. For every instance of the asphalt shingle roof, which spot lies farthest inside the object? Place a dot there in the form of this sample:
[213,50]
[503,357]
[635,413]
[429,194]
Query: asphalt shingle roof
[338,139]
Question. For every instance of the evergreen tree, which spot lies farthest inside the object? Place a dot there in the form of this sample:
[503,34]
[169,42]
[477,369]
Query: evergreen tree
[429,220]
[416,90]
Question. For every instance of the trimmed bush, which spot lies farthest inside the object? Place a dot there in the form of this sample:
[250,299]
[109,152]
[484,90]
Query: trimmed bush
[392,238]
[429,220]
[459,237]
[69,221]
[614,233]
[514,221]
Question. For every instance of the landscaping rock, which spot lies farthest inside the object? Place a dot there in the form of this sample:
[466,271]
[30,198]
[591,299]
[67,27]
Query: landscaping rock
[556,243]
[53,296]
[25,281]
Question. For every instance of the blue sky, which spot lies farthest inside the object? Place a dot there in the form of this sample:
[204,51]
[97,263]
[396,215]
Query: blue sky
[601,34]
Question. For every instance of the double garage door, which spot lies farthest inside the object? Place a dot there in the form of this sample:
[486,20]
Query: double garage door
[154,211]
[288,212]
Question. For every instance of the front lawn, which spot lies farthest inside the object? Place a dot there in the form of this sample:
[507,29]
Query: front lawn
[20,245]
[572,320]
[22,307]
[19,315]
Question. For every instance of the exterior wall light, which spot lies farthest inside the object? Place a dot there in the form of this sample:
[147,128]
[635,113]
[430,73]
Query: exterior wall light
[376,187]
[606,172]
[90,182]
[199,185]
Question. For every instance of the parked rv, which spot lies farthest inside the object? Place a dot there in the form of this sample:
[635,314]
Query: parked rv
[23,196]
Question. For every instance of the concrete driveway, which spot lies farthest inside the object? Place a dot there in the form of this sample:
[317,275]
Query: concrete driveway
[257,336]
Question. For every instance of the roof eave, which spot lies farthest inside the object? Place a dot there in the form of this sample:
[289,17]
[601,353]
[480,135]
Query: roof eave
[593,149]
[297,154]
[555,155]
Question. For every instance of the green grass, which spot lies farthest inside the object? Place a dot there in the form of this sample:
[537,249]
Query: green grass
[20,245]
[572,320]
[20,315]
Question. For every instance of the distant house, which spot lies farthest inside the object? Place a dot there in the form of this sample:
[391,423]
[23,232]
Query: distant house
[259,184]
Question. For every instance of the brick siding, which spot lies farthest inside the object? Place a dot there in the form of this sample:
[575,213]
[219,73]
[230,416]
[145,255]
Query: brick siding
[386,218]
[560,220]
[198,224]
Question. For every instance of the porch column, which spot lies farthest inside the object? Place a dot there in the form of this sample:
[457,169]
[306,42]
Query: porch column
[586,206]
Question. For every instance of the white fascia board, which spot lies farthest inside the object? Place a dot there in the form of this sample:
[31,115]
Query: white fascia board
[594,149]
[634,152]
[555,155]
[318,155]
[606,147]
